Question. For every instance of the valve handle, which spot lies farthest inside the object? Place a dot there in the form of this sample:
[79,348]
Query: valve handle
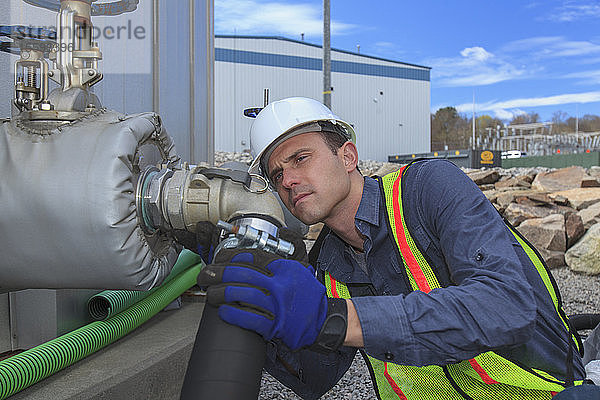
[113,8]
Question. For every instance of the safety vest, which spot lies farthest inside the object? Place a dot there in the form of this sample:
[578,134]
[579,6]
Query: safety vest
[488,375]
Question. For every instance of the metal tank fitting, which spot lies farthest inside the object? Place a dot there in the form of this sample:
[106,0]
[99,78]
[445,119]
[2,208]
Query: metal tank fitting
[177,199]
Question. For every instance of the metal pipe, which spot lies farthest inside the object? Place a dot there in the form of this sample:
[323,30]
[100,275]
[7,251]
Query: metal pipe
[156,56]
[192,66]
[210,83]
[326,54]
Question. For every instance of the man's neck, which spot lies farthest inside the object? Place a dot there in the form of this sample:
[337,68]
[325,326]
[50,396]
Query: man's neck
[342,222]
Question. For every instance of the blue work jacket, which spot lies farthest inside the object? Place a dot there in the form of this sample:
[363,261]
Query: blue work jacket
[492,296]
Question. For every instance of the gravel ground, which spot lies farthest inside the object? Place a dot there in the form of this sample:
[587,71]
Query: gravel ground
[580,294]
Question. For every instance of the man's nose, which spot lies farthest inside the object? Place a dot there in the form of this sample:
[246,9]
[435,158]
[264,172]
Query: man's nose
[290,178]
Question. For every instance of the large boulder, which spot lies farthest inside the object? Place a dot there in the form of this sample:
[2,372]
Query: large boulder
[553,259]
[560,179]
[574,228]
[514,181]
[579,198]
[590,215]
[510,196]
[484,177]
[517,213]
[584,256]
[535,199]
[546,233]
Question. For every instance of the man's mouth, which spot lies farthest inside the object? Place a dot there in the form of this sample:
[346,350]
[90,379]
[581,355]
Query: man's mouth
[299,197]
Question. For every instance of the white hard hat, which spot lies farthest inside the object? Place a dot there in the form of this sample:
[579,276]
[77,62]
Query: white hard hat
[281,119]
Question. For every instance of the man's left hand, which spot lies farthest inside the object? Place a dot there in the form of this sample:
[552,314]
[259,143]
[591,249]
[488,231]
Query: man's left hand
[276,297]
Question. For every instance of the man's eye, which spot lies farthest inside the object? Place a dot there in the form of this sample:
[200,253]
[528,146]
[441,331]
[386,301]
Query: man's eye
[276,178]
[300,159]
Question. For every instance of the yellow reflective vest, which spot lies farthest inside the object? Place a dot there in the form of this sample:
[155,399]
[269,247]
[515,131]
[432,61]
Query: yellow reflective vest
[488,375]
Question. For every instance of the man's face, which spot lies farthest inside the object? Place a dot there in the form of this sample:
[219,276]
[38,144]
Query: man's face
[311,181]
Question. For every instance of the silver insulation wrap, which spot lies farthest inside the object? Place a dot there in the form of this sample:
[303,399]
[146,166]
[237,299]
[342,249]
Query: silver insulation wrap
[68,208]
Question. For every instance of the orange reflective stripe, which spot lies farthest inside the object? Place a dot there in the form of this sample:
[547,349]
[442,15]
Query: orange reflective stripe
[392,383]
[409,258]
[482,374]
[334,292]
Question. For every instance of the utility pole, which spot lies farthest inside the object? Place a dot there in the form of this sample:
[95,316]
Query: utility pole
[473,120]
[326,53]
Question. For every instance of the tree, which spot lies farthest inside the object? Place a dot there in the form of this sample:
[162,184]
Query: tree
[559,122]
[525,118]
[448,129]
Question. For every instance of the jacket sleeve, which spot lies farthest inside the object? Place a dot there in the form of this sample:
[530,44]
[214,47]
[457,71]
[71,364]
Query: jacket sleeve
[309,374]
[491,304]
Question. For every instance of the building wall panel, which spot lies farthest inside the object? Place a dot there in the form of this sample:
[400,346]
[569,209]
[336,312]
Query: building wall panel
[387,102]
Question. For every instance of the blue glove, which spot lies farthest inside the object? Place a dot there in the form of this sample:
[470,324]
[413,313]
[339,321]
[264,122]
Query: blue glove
[276,297]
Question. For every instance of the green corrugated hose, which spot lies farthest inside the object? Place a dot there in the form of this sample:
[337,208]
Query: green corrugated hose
[111,302]
[31,366]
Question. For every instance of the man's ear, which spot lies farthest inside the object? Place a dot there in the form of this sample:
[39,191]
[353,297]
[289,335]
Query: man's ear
[349,154]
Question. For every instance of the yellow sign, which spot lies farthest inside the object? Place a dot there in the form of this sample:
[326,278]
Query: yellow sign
[487,157]
[456,152]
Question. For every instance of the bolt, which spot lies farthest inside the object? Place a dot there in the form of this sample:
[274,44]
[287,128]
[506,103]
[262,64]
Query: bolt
[50,74]
[91,72]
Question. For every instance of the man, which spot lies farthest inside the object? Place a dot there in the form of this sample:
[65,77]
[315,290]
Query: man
[417,270]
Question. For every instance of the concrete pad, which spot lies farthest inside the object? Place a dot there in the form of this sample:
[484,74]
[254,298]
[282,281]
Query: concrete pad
[149,363]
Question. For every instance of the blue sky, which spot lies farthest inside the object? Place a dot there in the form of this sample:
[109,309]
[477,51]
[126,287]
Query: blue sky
[513,56]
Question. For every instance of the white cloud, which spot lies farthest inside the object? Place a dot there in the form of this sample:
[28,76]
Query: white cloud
[513,107]
[589,77]
[551,47]
[253,17]
[505,114]
[474,67]
[570,12]
[476,53]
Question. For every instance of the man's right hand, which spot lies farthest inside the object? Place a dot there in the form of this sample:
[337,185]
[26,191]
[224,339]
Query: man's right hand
[203,241]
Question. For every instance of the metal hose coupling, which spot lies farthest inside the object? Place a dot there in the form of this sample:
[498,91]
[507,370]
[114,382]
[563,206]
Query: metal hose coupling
[170,199]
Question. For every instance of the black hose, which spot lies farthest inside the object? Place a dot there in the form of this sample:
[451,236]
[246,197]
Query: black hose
[584,321]
[226,361]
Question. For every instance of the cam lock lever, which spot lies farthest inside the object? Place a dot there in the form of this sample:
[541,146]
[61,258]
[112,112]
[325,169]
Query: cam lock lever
[235,176]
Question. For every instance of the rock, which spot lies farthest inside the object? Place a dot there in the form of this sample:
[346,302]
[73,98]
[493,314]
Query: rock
[517,213]
[574,228]
[534,199]
[491,195]
[579,198]
[504,199]
[499,208]
[386,168]
[545,233]
[527,178]
[561,179]
[590,215]
[486,187]
[594,171]
[484,177]
[560,200]
[584,256]
[553,259]
[517,181]
[589,181]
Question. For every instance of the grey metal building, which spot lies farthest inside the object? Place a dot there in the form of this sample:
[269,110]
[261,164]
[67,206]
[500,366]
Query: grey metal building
[388,102]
